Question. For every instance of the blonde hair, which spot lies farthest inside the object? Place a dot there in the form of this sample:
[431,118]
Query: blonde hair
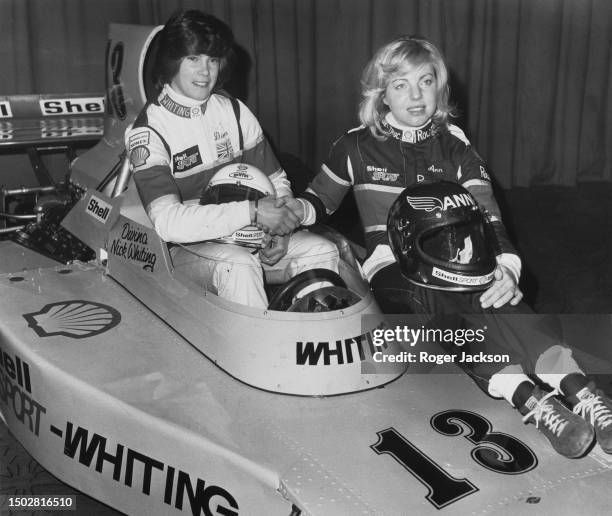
[384,65]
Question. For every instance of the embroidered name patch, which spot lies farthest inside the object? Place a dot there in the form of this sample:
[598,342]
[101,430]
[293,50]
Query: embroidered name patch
[137,139]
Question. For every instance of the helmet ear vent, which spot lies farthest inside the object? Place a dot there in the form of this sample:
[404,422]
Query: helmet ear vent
[440,238]
[234,183]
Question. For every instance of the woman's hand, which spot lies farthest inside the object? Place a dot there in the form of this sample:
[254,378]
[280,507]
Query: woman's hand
[293,204]
[275,247]
[504,289]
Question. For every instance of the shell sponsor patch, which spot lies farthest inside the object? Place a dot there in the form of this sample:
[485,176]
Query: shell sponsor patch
[462,280]
[382,174]
[139,155]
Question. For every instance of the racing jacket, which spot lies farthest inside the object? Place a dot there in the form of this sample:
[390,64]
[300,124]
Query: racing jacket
[378,170]
[176,145]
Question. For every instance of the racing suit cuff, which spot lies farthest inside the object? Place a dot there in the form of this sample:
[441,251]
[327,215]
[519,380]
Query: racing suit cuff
[310,214]
[282,186]
[512,262]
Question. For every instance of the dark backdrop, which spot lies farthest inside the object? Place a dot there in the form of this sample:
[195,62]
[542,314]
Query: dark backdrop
[531,77]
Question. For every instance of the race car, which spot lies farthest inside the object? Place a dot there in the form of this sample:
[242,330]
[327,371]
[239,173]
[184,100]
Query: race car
[153,396]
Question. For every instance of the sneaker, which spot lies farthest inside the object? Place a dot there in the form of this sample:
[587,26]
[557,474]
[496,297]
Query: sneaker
[569,434]
[594,406]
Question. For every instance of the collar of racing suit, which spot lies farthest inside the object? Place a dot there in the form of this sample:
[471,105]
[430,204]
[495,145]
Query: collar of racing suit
[179,104]
[404,133]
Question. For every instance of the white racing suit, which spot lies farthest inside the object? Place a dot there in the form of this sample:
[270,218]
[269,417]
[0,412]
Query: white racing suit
[175,146]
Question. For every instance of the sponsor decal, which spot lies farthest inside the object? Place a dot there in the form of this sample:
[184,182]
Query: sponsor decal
[139,155]
[139,471]
[381,174]
[98,209]
[241,175]
[74,319]
[461,280]
[434,203]
[187,159]
[5,109]
[395,133]
[340,352]
[16,391]
[223,144]
[253,234]
[180,110]
[175,107]
[132,246]
[137,148]
[137,139]
[410,135]
[77,106]
[16,369]
[422,134]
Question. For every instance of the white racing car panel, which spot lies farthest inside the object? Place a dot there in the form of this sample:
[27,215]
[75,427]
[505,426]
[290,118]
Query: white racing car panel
[113,402]
[315,354]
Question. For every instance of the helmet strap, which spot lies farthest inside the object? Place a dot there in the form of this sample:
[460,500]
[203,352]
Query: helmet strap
[256,210]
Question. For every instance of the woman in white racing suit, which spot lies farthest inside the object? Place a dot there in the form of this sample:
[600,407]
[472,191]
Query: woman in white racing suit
[181,140]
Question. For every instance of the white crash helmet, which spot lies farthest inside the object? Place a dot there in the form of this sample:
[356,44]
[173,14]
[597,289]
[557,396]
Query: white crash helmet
[238,182]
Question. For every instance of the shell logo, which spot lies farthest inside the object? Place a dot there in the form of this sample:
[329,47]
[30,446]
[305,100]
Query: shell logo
[139,155]
[75,319]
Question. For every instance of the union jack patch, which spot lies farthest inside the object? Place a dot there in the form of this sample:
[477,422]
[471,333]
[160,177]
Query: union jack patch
[223,145]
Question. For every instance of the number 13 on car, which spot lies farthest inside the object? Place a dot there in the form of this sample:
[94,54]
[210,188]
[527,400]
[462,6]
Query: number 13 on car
[496,451]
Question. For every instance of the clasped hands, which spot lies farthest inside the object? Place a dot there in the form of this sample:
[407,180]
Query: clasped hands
[279,216]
